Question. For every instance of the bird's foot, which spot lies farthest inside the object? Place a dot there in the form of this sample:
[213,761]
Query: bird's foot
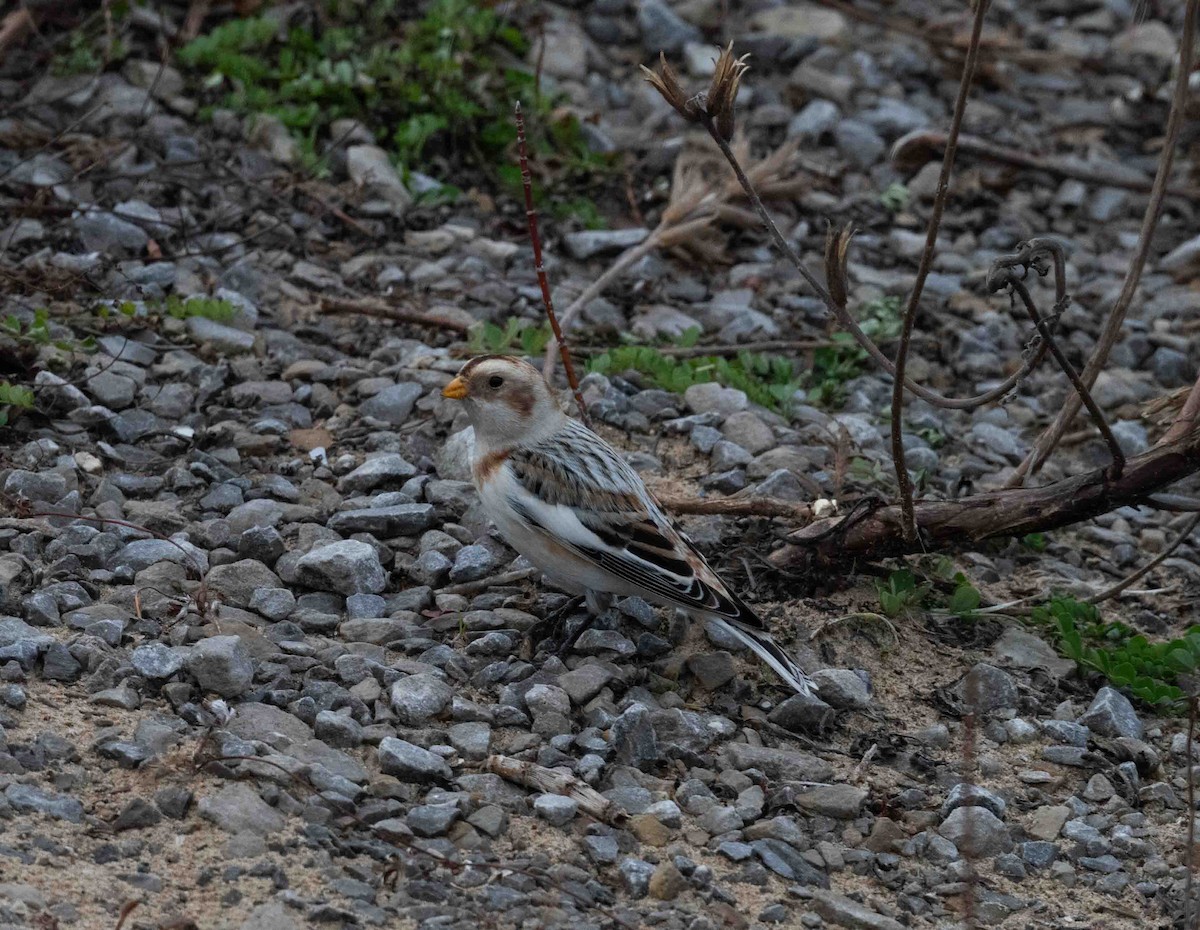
[552,626]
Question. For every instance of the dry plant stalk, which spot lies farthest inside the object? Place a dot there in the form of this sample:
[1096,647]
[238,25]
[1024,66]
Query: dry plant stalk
[903,481]
[1052,435]
[551,781]
[540,269]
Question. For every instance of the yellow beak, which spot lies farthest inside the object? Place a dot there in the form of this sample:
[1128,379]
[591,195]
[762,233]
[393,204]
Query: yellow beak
[456,389]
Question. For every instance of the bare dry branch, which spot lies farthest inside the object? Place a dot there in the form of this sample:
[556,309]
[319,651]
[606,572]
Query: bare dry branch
[564,350]
[1012,512]
[553,781]
[1131,578]
[1112,325]
[369,306]
[903,481]
[914,150]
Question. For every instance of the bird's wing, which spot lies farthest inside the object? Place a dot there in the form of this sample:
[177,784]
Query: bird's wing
[575,488]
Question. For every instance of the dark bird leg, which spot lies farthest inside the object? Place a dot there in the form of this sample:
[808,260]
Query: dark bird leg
[553,625]
[597,603]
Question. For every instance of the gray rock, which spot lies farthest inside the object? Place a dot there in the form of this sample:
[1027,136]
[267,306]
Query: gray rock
[101,231]
[408,762]
[370,167]
[976,831]
[588,243]
[987,688]
[221,664]
[635,876]
[225,339]
[142,553]
[1172,368]
[472,563]
[347,567]
[842,802]
[432,819]
[784,859]
[815,121]
[237,582]
[59,665]
[555,809]
[387,469]
[858,143]
[780,764]
[393,404]
[843,688]
[712,669]
[584,683]
[273,603]
[46,486]
[337,730]
[28,799]
[419,698]
[845,912]
[662,29]
[803,713]
[398,520]
[431,568]
[710,397]
[268,724]
[1111,714]
[138,814]
[156,661]
[237,808]
[963,794]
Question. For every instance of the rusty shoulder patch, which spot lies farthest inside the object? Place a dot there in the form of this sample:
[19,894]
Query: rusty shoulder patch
[485,468]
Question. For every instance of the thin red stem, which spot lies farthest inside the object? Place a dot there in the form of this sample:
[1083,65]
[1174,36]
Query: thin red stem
[544,282]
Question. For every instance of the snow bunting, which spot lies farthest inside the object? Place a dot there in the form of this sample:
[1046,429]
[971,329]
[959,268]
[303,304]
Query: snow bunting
[566,500]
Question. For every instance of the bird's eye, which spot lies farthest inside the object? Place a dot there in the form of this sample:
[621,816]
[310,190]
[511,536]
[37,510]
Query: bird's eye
[495,381]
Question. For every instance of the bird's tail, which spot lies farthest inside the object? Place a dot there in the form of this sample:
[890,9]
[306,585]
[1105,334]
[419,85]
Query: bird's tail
[761,644]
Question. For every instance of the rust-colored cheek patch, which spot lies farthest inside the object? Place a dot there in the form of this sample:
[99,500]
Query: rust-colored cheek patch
[522,401]
[486,467]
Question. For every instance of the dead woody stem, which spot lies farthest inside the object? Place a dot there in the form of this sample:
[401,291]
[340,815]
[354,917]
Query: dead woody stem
[903,481]
[1111,332]
[544,282]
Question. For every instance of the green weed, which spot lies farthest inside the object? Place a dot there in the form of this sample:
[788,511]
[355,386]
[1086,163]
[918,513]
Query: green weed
[834,365]
[895,198]
[769,381]
[441,85]
[1121,654]
[903,595]
[37,333]
[517,336]
[13,397]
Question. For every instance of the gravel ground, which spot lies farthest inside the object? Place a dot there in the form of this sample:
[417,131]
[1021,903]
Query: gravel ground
[279,712]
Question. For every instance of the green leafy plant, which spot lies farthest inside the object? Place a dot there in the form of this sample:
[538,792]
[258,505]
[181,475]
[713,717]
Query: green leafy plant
[767,380]
[1121,654]
[901,595]
[37,333]
[834,365]
[176,307]
[13,397]
[441,84]
[1035,541]
[895,197]
[516,336]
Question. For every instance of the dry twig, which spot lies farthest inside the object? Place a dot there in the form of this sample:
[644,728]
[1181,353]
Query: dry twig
[1111,331]
[915,149]
[1133,577]
[368,306]
[535,240]
[552,781]
[903,481]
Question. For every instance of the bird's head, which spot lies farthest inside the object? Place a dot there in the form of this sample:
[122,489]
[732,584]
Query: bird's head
[507,399]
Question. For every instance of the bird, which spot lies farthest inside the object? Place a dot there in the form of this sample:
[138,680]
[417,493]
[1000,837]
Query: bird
[570,504]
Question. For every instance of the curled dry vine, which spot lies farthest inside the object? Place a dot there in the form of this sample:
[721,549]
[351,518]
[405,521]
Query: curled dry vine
[880,531]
